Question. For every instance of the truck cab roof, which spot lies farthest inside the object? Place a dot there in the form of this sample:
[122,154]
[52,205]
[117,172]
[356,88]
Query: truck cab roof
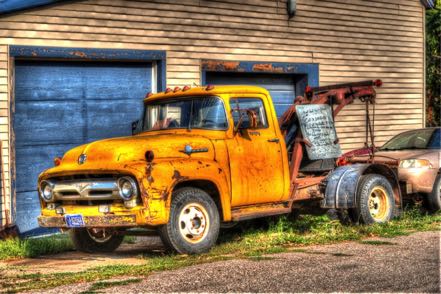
[206,90]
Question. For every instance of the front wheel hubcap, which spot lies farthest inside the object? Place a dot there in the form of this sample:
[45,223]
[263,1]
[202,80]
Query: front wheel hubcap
[378,204]
[100,235]
[193,222]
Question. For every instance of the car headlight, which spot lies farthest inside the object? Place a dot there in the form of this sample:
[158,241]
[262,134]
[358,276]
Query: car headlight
[46,190]
[127,188]
[415,163]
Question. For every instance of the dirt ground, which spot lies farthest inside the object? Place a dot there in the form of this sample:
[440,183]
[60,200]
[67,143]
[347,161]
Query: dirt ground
[402,264]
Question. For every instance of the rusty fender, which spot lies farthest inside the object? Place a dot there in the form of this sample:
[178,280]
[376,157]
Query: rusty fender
[341,184]
[165,175]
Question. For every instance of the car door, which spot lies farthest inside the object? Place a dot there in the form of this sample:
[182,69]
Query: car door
[256,157]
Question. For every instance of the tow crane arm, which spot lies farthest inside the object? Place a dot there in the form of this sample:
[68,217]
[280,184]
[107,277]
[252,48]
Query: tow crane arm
[339,95]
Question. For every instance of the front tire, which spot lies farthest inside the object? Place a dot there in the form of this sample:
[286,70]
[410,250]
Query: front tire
[93,240]
[194,222]
[375,200]
[434,198]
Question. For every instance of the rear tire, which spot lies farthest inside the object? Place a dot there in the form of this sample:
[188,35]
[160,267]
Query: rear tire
[194,222]
[434,198]
[95,240]
[375,200]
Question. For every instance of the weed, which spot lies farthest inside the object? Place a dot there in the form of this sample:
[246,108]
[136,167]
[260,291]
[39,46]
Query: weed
[377,242]
[108,284]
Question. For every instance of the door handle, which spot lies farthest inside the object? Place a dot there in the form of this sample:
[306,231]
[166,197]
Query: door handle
[274,140]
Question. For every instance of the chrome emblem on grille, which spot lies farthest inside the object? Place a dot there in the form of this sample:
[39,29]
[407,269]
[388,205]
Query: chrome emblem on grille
[82,158]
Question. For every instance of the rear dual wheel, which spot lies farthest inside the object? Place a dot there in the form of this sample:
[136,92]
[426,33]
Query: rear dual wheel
[374,202]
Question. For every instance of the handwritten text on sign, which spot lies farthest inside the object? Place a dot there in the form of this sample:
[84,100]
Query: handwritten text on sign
[318,128]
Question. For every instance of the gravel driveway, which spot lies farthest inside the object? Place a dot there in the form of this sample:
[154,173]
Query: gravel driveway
[402,264]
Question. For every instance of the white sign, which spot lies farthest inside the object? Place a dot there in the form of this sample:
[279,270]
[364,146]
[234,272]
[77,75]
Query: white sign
[318,128]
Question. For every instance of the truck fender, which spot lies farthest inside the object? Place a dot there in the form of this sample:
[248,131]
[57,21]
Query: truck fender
[341,184]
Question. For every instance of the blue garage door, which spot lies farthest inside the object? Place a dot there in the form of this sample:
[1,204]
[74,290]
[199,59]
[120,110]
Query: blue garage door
[59,105]
[281,87]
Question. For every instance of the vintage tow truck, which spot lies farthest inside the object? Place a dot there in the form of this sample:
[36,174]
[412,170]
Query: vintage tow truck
[208,156]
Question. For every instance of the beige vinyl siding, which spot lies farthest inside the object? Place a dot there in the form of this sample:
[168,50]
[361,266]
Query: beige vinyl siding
[4,132]
[350,39]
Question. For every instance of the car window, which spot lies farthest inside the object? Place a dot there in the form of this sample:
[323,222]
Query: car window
[418,139]
[239,106]
[435,142]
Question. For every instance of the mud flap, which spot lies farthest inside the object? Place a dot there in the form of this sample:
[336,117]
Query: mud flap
[341,186]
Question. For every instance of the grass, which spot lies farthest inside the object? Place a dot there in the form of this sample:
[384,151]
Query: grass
[16,248]
[254,243]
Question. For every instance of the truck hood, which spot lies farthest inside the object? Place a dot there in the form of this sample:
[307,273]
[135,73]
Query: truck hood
[133,148]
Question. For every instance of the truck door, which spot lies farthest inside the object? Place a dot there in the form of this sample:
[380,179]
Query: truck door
[257,164]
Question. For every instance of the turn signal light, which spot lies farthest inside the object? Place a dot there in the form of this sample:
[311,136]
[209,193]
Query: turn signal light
[57,161]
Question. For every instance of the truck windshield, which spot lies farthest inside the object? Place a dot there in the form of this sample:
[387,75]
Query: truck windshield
[185,113]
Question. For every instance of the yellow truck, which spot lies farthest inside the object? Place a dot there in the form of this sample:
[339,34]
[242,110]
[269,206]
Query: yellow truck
[208,156]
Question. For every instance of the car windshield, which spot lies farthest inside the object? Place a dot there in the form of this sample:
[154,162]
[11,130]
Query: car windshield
[419,139]
[185,113]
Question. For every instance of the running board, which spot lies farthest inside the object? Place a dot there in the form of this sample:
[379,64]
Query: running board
[261,210]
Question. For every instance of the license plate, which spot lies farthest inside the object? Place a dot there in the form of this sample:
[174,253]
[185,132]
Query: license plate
[74,220]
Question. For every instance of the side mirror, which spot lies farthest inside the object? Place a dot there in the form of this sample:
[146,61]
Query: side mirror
[251,123]
[135,126]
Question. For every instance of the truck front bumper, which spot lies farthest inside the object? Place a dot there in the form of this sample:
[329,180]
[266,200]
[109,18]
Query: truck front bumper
[92,216]
[90,221]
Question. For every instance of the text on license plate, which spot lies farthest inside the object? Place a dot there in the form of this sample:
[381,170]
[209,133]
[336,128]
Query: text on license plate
[74,220]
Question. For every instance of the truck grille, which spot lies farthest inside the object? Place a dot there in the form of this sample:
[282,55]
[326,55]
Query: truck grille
[86,189]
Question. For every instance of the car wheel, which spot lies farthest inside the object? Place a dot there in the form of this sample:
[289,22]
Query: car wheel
[194,222]
[93,240]
[375,201]
[434,198]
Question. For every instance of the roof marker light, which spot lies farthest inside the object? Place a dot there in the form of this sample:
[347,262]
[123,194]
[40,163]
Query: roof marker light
[209,88]
[168,90]
[176,89]
[186,88]
[148,94]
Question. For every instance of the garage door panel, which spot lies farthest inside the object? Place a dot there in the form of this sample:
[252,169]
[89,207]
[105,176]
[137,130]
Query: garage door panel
[60,105]
[280,109]
[44,81]
[29,205]
[32,160]
[112,119]
[111,81]
[281,97]
[56,122]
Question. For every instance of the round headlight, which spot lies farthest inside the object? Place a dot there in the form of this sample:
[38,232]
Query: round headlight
[127,188]
[46,190]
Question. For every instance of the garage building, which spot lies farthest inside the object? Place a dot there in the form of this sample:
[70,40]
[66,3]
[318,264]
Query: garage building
[76,71]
